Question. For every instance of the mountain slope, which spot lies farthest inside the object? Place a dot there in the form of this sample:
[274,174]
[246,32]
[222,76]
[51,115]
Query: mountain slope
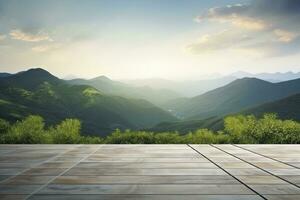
[4,74]
[110,87]
[188,88]
[36,91]
[234,97]
[271,77]
[212,123]
[287,108]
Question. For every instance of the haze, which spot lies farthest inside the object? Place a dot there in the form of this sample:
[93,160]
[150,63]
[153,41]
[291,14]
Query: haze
[133,39]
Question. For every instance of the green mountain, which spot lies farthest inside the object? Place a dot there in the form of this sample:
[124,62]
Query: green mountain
[36,91]
[110,87]
[4,74]
[239,95]
[287,108]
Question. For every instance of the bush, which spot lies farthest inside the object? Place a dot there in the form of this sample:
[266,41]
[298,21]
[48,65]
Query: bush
[168,138]
[267,130]
[68,132]
[90,140]
[271,130]
[28,131]
[238,129]
[205,136]
[4,126]
[130,137]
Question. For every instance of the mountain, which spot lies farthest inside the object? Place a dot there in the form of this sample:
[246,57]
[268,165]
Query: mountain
[271,77]
[4,74]
[286,108]
[212,123]
[187,88]
[110,87]
[238,95]
[36,91]
[30,79]
[191,88]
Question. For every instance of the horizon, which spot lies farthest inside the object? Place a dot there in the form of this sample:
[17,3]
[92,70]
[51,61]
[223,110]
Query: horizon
[214,76]
[164,39]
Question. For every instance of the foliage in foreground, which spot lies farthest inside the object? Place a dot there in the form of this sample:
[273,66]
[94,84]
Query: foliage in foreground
[238,129]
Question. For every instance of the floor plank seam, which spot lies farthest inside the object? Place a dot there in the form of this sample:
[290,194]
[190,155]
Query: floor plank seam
[76,163]
[270,173]
[38,164]
[228,173]
[266,156]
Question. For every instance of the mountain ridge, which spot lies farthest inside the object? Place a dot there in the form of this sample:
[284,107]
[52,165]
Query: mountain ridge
[233,97]
[111,87]
[55,100]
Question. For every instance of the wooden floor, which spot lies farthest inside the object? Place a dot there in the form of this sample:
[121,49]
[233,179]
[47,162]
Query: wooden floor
[212,172]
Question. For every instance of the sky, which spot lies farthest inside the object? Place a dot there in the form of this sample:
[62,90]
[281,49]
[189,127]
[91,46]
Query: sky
[134,39]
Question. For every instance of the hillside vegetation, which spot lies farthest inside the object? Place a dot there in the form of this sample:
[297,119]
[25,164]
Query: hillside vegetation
[37,92]
[237,129]
[110,87]
[286,108]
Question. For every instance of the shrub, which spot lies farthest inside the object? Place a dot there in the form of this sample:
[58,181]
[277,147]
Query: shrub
[168,138]
[205,136]
[130,137]
[4,126]
[28,131]
[68,132]
[240,128]
[272,130]
[90,140]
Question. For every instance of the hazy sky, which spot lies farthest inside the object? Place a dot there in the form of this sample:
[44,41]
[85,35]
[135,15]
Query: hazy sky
[149,38]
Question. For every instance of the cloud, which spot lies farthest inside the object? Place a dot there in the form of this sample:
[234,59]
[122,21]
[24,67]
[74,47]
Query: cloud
[225,39]
[273,23]
[29,37]
[46,48]
[232,14]
[285,36]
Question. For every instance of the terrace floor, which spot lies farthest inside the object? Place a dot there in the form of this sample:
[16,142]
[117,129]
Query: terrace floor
[169,172]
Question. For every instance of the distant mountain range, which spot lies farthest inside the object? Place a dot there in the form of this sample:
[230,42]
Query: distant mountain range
[271,77]
[36,91]
[238,95]
[184,88]
[110,87]
[191,88]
